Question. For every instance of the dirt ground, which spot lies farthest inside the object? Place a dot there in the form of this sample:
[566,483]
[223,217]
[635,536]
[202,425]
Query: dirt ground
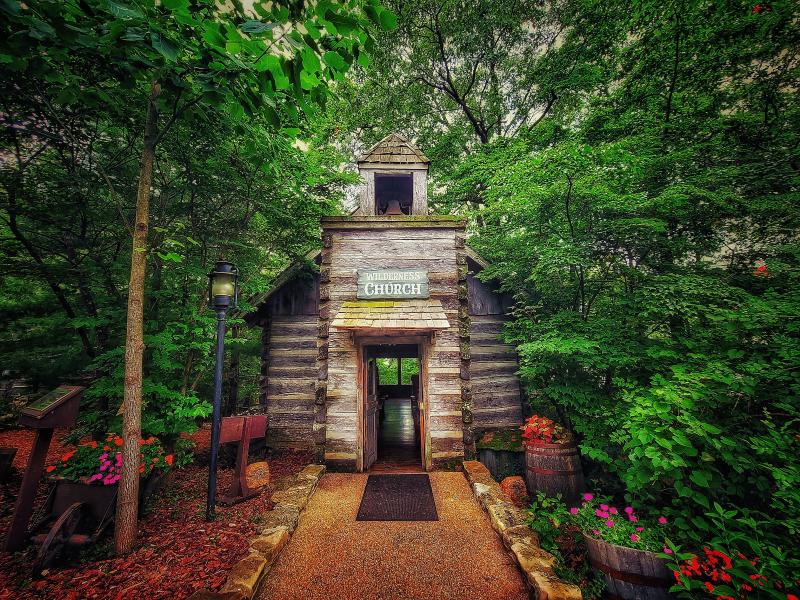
[334,557]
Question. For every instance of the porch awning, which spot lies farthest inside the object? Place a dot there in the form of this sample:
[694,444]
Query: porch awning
[396,315]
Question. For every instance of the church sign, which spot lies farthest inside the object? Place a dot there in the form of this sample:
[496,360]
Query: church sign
[392,283]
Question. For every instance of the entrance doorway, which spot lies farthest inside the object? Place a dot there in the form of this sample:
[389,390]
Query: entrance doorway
[393,408]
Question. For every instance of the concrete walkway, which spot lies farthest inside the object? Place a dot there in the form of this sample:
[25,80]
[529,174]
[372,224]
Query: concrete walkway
[332,556]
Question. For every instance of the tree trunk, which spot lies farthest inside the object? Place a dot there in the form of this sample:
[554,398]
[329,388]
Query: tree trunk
[128,497]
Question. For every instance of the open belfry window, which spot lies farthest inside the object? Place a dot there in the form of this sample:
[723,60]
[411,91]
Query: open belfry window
[394,194]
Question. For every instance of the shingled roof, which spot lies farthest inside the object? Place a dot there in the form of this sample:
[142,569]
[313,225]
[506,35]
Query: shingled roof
[386,315]
[395,149]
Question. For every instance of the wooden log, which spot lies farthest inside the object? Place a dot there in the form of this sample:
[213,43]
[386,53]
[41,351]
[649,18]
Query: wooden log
[554,469]
[630,574]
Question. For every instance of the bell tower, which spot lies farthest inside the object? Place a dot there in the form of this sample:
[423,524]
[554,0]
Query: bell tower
[395,175]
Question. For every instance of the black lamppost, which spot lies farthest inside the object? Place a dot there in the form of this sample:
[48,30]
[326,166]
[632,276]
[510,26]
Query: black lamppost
[223,295]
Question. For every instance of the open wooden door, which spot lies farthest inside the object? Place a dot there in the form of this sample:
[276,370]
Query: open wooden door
[371,414]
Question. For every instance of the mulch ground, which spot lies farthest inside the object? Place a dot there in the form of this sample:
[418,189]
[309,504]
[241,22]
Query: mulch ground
[177,553]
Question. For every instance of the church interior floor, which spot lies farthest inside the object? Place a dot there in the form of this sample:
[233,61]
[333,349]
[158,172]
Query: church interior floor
[398,444]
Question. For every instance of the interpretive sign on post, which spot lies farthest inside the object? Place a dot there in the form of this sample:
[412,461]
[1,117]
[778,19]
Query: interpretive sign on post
[392,283]
[58,408]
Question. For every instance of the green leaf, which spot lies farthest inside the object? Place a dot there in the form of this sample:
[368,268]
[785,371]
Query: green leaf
[257,27]
[310,59]
[387,19]
[335,61]
[308,81]
[9,8]
[176,5]
[699,478]
[164,47]
[123,11]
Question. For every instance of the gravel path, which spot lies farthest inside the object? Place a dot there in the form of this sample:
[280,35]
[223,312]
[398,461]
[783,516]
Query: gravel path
[334,557]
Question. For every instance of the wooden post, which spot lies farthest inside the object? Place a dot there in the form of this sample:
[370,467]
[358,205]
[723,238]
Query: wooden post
[242,430]
[18,531]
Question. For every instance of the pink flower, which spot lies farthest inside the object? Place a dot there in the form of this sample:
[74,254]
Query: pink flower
[640,529]
[604,507]
[609,523]
[633,518]
[667,550]
[662,520]
[595,531]
[104,466]
[573,510]
[96,476]
[587,496]
[601,513]
[629,510]
[103,456]
[612,510]
[634,537]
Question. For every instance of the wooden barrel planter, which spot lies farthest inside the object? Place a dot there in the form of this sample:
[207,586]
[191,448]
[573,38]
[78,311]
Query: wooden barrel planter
[630,574]
[554,469]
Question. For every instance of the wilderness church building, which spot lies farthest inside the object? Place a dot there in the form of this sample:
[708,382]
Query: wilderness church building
[392,282]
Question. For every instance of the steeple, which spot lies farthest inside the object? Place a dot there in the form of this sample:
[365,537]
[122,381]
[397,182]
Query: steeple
[395,174]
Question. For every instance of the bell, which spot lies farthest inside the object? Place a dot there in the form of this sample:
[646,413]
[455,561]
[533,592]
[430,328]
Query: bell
[394,208]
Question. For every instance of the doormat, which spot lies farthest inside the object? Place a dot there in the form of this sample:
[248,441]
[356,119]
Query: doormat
[398,498]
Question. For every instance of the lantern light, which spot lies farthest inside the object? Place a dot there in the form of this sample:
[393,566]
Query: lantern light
[223,286]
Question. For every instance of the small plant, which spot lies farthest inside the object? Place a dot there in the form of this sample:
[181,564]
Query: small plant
[91,462]
[727,577]
[560,536]
[739,559]
[602,521]
[541,429]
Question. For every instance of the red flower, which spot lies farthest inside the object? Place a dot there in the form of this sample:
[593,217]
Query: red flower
[168,459]
[709,587]
[68,455]
[791,597]
[50,469]
[118,440]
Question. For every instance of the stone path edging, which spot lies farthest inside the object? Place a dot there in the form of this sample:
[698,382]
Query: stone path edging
[280,523]
[523,543]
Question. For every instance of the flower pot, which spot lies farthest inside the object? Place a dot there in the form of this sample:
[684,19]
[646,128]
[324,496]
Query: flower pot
[630,574]
[554,469]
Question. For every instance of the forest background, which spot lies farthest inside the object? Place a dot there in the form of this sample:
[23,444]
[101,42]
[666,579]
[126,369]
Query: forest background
[630,171]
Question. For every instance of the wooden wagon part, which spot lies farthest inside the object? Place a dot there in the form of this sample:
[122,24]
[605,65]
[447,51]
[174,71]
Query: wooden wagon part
[55,541]
[241,429]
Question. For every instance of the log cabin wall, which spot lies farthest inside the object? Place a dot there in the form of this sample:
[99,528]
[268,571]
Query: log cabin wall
[496,394]
[353,243]
[289,362]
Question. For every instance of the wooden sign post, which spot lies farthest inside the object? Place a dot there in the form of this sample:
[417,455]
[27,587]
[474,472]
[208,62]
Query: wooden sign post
[58,408]
[241,429]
